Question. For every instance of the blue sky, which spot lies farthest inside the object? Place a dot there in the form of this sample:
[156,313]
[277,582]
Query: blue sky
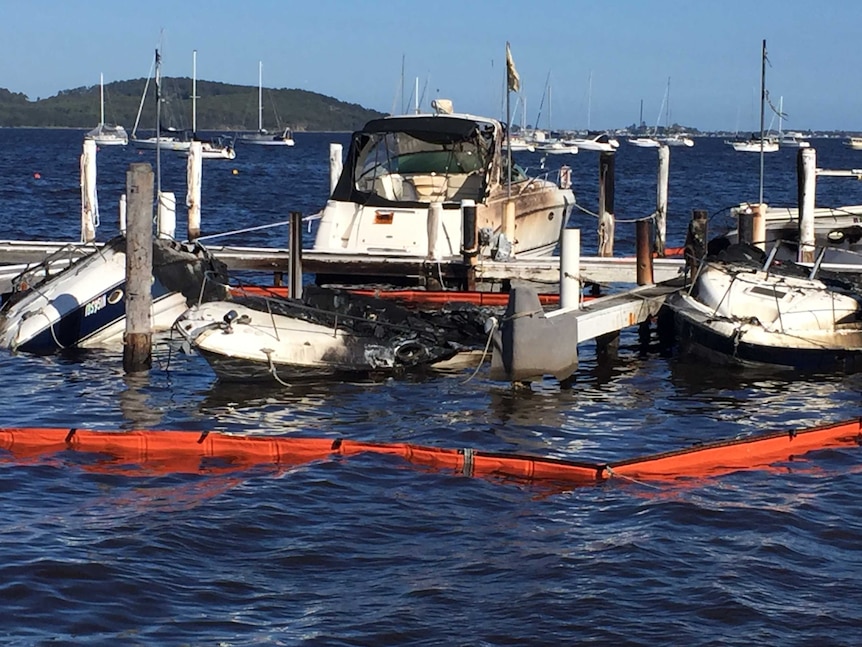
[353,50]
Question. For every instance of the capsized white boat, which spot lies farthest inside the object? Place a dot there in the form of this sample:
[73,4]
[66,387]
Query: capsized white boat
[83,305]
[747,310]
[329,333]
[404,181]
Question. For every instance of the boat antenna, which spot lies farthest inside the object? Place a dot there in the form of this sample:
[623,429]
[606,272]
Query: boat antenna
[762,106]
[158,79]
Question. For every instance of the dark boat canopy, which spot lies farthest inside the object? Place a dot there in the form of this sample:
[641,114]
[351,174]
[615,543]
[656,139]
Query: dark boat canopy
[385,145]
[437,129]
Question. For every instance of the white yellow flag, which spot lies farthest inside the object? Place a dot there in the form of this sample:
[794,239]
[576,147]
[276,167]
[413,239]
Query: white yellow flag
[511,73]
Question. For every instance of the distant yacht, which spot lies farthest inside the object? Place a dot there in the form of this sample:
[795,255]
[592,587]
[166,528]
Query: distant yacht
[792,139]
[644,142]
[677,139]
[754,144]
[106,134]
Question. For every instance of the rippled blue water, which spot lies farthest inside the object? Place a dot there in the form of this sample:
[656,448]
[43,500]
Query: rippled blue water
[372,551]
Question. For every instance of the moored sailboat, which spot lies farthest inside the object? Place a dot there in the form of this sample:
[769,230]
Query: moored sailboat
[263,137]
[106,134]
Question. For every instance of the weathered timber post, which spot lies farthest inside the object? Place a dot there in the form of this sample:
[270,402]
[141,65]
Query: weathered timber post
[469,242]
[294,276]
[435,217]
[806,178]
[570,269]
[661,199]
[758,225]
[137,350]
[89,204]
[644,253]
[745,226]
[607,345]
[193,192]
[695,240]
[644,274]
[606,203]
[335,166]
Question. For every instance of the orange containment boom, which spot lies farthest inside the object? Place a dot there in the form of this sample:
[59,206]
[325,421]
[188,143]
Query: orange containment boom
[161,452]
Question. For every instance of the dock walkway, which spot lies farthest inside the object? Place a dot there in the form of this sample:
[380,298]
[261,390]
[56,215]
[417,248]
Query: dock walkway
[531,343]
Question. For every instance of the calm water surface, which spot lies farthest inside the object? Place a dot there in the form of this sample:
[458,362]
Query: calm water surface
[372,551]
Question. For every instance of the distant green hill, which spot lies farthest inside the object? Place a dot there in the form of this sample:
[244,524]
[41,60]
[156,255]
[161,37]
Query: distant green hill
[220,107]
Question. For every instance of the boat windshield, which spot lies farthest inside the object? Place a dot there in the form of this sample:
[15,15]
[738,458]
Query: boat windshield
[400,166]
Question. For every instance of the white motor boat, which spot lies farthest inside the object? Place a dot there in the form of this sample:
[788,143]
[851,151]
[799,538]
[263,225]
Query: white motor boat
[406,178]
[854,142]
[596,141]
[83,305]
[677,139]
[558,147]
[753,312]
[644,142]
[792,139]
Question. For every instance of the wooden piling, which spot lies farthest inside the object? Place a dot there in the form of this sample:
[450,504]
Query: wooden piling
[696,239]
[644,253]
[745,226]
[89,204]
[570,269]
[661,200]
[294,277]
[469,242]
[806,178]
[193,193]
[758,225]
[606,203]
[508,225]
[435,216]
[137,343]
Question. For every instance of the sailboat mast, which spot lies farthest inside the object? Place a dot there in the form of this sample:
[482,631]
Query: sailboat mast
[762,106]
[194,93]
[589,99]
[101,98]
[158,126]
[667,109]
[260,96]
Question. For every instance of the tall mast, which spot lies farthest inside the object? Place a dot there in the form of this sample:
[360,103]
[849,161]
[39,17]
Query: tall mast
[194,93]
[260,96]
[101,98]
[762,105]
